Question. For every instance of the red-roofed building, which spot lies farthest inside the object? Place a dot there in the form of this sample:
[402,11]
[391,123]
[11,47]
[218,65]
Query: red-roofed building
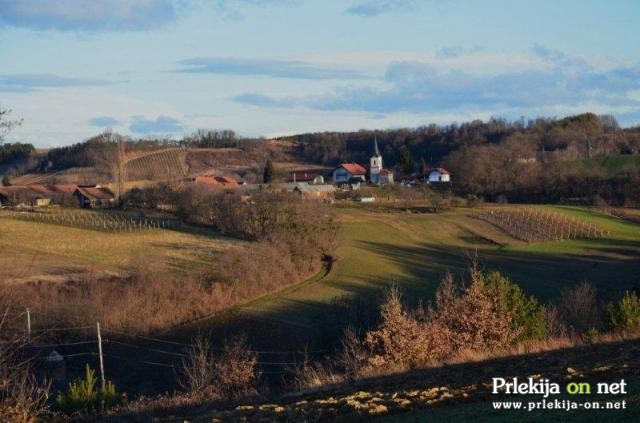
[437,175]
[220,181]
[95,196]
[348,172]
[308,176]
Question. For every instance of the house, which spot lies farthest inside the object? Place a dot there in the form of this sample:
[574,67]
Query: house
[385,177]
[94,196]
[377,173]
[437,175]
[347,172]
[25,195]
[306,176]
[315,192]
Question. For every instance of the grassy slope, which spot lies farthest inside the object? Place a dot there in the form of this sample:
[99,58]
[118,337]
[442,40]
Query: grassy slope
[30,249]
[415,251]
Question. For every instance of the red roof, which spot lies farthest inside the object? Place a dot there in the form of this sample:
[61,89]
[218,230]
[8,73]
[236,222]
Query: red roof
[226,180]
[385,172]
[98,193]
[354,168]
[66,188]
[437,169]
[215,180]
[303,175]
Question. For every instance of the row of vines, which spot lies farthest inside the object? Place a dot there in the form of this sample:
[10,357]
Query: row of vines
[101,221]
[167,164]
[534,225]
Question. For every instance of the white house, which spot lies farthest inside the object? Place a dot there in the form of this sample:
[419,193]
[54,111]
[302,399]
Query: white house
[348,172]
[438,175]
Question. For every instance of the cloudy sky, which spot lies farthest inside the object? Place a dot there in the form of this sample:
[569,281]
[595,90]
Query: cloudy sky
[71,68]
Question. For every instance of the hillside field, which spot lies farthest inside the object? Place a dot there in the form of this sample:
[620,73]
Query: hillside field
[414,251]
[51,252]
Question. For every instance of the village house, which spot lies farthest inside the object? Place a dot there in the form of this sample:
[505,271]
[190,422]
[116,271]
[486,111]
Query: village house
[352,174]
[437,175]
[95,196]
[306,176]
[36,195]
[349,172]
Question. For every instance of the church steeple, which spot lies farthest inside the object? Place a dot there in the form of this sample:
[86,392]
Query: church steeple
[375,163]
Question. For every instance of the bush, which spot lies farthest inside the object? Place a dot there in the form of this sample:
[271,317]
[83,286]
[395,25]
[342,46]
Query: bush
[625,315]
[528,316]
[84,397]
[232,374]
[578,308]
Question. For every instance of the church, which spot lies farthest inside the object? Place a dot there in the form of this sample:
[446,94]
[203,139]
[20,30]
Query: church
[353,172]
[377,173]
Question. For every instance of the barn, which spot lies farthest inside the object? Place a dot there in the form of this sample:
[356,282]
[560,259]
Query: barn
[95,196]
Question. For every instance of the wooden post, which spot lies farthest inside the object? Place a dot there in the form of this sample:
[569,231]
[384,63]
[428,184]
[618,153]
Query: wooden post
[28,325]
[101,358]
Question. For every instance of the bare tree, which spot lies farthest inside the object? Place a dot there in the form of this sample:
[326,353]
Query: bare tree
[6,125]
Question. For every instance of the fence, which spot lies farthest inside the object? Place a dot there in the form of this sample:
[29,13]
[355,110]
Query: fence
[104,343]
[105,221]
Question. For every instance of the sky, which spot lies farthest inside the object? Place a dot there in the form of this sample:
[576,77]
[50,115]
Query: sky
[73,68]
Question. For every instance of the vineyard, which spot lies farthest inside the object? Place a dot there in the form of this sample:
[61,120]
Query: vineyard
[100,221]
[532,225]
[162,165]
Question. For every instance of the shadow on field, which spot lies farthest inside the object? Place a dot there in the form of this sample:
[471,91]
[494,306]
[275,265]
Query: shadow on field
[468,388]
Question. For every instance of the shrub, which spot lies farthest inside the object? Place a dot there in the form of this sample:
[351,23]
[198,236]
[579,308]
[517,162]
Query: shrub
[22,397]
[475,318]
[578,308]
[83,396]
[625,315]
[232,374]
[528,316]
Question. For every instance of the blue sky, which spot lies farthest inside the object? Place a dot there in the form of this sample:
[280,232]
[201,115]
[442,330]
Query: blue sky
[72,68]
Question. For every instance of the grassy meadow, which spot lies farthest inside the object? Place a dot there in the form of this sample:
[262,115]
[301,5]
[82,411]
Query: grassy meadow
[415,251]
[378,248]
[46,251]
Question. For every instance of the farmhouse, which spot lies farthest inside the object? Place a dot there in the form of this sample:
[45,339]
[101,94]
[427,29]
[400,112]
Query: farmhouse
[306,176]
[36,195]
[347,172]
[437,175]
[94,196]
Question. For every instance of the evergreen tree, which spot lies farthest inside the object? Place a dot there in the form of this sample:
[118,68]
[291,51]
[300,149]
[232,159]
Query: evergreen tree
[268,172]
[406,160]
[423,166]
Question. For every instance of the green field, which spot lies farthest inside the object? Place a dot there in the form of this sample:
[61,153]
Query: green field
[414,251]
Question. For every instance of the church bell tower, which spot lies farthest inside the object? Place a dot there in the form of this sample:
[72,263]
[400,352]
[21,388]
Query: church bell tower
[375,163]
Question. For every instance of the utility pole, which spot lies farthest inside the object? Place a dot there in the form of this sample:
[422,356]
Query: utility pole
[28,325]
[101,358]
[121,170]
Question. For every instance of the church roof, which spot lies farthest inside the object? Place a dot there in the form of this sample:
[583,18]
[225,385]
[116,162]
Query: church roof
[376,150]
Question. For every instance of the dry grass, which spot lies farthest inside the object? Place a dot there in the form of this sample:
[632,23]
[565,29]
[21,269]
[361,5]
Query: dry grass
[33,250]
